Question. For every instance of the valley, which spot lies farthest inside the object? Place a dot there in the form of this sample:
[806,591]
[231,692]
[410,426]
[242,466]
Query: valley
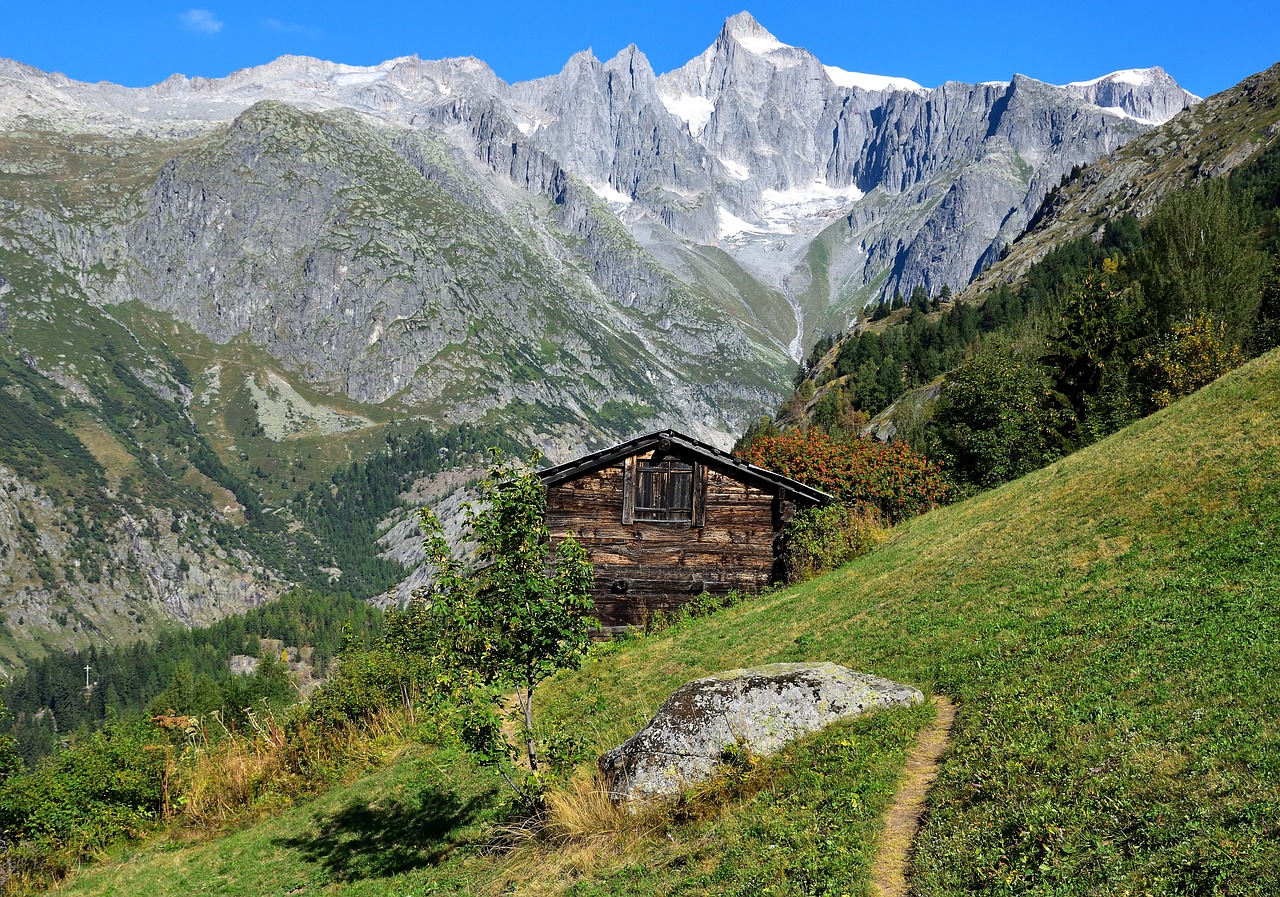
[288,264]
[250,325]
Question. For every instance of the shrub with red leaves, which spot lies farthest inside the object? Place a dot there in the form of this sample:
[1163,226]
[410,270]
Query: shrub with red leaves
[894,479]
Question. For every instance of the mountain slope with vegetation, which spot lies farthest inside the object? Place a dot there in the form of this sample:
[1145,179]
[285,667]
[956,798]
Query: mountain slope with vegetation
[154,455]
[1104,625]
[1197,268]
[217,294]
[1209,140]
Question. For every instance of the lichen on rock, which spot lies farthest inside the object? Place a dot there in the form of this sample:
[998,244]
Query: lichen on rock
[759,710]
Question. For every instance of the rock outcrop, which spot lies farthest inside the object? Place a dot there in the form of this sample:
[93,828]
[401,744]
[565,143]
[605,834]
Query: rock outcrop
[758,710]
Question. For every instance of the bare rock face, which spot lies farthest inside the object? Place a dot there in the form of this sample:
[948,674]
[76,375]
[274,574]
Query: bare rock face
[760,710]
[1148,95]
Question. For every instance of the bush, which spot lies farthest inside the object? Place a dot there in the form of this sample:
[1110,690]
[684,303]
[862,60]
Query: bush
[703,605]
[367,682]
[895,480]
[1194,355]
[822,539]
[104,786]
[110,785]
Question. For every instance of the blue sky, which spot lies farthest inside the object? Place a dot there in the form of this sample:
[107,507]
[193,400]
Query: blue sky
[1206,47]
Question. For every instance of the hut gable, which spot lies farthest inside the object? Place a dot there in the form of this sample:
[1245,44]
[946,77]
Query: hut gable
[664,518]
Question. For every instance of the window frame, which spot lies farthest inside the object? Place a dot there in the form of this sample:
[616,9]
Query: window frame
[633,512]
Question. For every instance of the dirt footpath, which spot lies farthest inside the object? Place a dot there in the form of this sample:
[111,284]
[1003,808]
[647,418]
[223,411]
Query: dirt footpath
[889,871]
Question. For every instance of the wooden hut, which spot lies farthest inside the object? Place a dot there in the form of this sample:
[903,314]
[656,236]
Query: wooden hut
[664,517]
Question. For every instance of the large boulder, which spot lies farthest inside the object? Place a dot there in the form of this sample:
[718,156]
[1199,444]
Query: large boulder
[758,710]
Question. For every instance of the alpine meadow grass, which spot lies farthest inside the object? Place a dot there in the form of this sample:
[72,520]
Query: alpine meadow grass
[1107,628]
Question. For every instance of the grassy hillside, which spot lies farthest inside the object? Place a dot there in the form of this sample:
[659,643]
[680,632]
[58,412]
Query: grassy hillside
[1107,627]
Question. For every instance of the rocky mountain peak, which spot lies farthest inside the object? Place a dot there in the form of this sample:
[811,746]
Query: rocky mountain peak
[744,54]
[630,59]
[1148,95]
[749,34]
[581,61]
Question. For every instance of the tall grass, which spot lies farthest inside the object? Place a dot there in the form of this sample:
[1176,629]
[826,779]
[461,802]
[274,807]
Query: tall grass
[227,776]
[193,785]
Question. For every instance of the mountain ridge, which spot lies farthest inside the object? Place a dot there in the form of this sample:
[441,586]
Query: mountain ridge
[715,188]
[1211,139]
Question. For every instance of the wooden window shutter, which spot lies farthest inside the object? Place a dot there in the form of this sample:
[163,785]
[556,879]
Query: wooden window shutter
[629,490]
[699,495]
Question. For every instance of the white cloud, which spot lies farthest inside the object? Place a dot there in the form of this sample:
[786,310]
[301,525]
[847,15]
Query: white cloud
[200,20]
[281,27]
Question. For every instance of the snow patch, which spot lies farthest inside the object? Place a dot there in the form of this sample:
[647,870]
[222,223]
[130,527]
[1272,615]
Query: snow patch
[527,126]
[1116,110]
[1136,77]
[862,81]
[761,42]
[736,169]
[793,211]
[788,211]
[610,195]
[357,78]
[693,111]
[731,225]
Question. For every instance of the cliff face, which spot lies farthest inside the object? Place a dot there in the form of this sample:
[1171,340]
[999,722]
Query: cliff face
[70,580]
[1148,95]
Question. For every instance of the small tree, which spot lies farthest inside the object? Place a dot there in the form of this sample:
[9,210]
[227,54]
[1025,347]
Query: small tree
[920,300]
[515,616]
[1200,257]
[1094,338]
[998,418]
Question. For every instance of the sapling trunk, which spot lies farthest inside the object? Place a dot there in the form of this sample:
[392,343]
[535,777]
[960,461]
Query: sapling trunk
[526,704]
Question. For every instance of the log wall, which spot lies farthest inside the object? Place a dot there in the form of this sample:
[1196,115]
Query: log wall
[645,567]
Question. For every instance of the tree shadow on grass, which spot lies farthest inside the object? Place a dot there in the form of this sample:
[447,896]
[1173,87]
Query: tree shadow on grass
[388,836]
